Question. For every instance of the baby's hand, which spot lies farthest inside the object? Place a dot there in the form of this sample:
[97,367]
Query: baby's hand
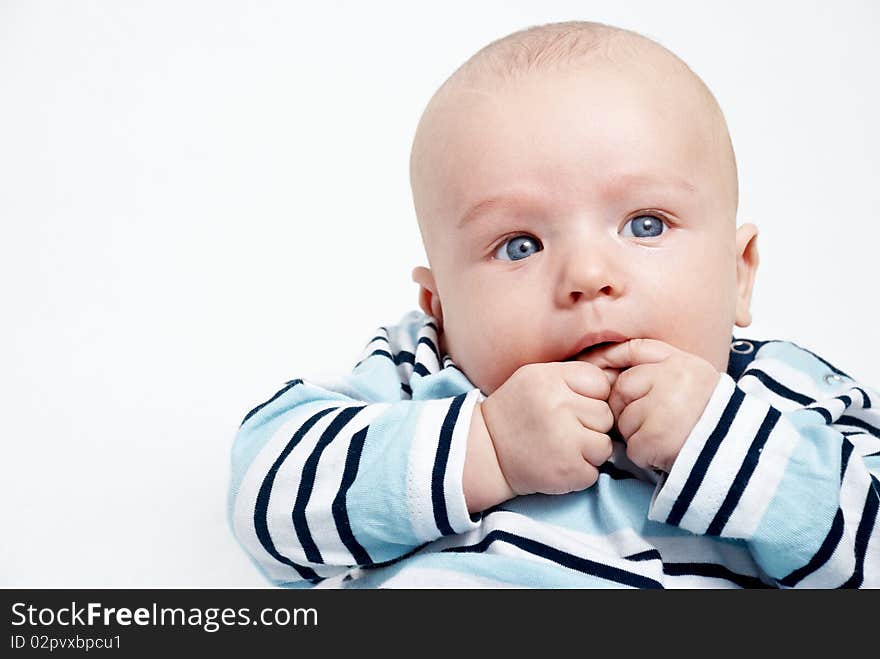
[658,399]
[549,423]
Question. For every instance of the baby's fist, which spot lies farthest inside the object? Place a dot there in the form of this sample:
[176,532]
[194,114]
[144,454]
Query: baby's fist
[658,398]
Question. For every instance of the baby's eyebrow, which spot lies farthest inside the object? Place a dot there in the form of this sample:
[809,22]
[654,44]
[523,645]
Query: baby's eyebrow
[510,200]
[611,187]
[618,182]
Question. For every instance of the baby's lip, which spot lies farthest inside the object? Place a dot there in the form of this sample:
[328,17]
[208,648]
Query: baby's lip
[593,340]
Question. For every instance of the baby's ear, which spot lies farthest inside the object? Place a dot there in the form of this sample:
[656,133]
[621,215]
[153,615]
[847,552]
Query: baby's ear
[746,268]
[429,300]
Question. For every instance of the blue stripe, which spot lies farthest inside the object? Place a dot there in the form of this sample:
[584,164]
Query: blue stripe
[866,525]
[835,533]
[692,484]
[561,558]
[340,513]
[779,388]
[310,469]
[750,463]
[261,523]
[289,386]
[438,494]
[858,423]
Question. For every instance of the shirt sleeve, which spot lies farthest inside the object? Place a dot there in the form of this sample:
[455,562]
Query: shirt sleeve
[799,485]
[349,472]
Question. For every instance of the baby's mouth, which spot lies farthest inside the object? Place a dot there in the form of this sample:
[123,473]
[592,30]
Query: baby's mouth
[580,356]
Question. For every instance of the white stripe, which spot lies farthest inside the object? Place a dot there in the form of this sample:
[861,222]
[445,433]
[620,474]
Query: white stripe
[752,385]
[423,451]
[726,461]
[453,486]
[246,498]
[764,481]
[665,496]
[603,549]
[790,377]
[284,492]
[872,558]
[328,478]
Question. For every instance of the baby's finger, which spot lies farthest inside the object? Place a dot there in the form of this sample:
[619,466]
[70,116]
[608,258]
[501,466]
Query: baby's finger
[593,413]
[596,447]
[633,416]
[632,384]
[586,380]
[631,353]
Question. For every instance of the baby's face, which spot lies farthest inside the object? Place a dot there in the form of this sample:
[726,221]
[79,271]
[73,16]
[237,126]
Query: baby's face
[582,207]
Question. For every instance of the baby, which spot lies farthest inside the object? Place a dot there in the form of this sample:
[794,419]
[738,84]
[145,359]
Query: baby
[569,410]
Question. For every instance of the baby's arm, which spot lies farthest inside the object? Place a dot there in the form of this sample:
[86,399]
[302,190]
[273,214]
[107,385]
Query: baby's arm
[796,478]
[349,473]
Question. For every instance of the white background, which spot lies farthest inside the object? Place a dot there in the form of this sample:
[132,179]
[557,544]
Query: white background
[201,200]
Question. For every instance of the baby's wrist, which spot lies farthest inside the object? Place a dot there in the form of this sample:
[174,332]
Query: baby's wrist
[484,483]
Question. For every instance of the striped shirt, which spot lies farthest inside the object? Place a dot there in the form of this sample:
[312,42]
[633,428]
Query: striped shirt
[356,482]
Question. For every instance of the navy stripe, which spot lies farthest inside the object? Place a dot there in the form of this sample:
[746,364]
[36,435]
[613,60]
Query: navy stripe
[379,337]
[438,494]
[824,412]
[846,400]
[779,388]
[375,353]
[847,420]
[421,370]
[561,558]
[405,388]
[741,481]
[712,570]
[289,386]
[404,356]
[831,541]
[340,511]
[428,342]
[867,400]
[846,450]
[866,525]
[432,326]
[261,523]
[307,482]
[699,570]
[686,496]
[647,555]
[398,358]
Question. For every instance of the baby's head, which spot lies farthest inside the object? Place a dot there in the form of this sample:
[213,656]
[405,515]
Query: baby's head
[575,183]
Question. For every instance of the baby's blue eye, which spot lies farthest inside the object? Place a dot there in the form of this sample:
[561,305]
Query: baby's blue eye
[644,226]
[518,248]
